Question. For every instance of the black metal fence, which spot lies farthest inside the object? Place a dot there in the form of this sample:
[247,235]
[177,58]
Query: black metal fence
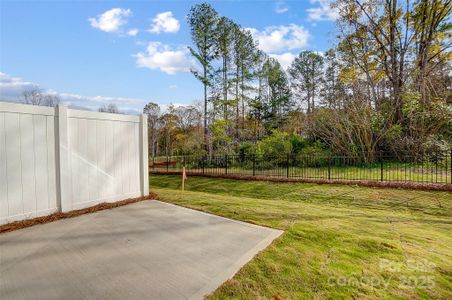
[435,167]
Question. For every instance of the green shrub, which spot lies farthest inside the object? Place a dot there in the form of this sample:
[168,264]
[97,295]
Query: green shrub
[247,148]
[298,142]
[312,156]
[275,145]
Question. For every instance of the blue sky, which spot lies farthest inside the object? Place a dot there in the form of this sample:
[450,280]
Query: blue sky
[133,52]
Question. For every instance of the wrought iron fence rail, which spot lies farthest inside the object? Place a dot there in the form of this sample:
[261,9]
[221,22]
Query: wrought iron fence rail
[433,167]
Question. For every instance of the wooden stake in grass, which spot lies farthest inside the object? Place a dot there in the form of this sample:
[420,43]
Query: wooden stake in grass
[184,177]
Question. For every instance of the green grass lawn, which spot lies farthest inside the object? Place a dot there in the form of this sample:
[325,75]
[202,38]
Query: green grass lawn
[339,241]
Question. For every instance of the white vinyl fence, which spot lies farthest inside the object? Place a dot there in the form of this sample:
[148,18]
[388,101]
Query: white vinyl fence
[60,159]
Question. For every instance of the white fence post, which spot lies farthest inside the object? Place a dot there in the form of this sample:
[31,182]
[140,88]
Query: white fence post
[144,159]
[62,146]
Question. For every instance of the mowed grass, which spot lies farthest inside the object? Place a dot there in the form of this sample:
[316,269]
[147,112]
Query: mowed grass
[340,242]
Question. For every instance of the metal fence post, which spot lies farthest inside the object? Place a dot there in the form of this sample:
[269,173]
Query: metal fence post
[422,162]
[288,160]
[329,167]
[254,164]
[226,164]
[445,168]
[203,161]
[381,166]
[436,167]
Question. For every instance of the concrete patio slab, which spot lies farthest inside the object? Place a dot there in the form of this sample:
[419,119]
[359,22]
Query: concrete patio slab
[146,250]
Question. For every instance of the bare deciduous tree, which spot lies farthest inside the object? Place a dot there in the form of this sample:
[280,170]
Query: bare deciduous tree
[36,96]
[152,110]
[109,108]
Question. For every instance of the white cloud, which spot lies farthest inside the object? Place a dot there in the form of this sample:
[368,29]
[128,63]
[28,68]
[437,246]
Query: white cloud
[173,86]
[132,32]
[281,38]
[12,88]
[324,12]
[125,104]
[164,22]
[164,58]
[111,20]
[284,59]
[281,7]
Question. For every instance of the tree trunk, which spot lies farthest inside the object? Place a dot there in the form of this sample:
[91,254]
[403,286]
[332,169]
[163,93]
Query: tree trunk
[225,91]
[205,111]
[243,103]
[395,78]
[237,113]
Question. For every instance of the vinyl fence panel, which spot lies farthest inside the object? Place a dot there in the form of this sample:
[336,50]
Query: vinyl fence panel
[60,159]
[91,139]
[27,184]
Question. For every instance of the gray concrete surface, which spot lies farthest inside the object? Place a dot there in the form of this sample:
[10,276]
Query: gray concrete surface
[146,250]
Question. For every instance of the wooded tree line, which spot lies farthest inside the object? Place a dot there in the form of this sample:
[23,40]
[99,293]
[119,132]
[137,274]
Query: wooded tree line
[385,85]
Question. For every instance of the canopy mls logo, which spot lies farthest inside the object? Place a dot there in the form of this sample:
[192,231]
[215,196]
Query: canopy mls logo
[410,274]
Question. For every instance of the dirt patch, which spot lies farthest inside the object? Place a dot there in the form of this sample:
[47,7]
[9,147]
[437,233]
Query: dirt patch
[64,215]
